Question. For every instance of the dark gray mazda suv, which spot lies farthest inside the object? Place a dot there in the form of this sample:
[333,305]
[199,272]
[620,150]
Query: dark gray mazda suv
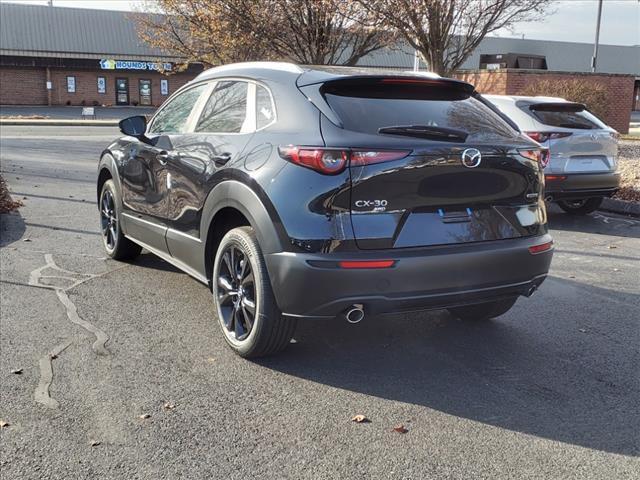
[309,193]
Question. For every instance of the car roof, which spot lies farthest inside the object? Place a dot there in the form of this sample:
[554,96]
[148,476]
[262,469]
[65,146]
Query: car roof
[312,73]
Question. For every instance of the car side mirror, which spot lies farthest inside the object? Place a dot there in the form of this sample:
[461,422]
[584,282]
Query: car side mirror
[134,126]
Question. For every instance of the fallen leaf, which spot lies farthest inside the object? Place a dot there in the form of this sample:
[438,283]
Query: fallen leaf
[94,443]
[211,360]
[582,330]
[144,416]
[26,240]
[17,371]
[400,429]
[3,424]
[360,419]
[169,406]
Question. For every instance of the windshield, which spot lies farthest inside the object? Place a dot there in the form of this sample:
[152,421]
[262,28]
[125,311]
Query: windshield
[565,117]
[469,116]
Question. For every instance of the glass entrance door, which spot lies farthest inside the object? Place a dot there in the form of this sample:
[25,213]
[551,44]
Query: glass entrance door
[145,92]
[122,91]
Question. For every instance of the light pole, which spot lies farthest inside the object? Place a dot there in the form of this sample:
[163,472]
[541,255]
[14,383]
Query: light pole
[595,47]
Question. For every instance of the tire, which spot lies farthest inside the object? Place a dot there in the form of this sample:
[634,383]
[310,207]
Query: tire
[115,243]
[238,285]
[483,311]
[580,207]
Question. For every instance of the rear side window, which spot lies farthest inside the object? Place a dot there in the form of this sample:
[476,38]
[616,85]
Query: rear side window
[265,110]
[568,116]
[226,109]
[383,107]
[173,116]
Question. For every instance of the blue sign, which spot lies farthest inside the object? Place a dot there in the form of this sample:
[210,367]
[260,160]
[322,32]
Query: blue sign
[110,64]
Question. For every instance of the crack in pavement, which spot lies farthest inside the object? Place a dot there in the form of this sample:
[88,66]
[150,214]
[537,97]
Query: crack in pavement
[41,394]
[38,279]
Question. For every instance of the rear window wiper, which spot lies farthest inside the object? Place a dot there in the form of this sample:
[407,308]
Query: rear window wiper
[426,131]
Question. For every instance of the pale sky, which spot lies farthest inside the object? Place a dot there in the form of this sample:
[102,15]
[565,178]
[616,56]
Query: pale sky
[571,20]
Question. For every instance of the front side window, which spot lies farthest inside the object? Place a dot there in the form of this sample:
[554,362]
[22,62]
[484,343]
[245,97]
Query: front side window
[172,118]
[226,109]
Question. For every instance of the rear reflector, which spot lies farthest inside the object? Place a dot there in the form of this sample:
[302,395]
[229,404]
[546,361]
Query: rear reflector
[554,178]
[366,263]
[543,247]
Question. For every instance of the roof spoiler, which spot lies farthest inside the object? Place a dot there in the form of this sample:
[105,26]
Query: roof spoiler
[408,81]
[558,107]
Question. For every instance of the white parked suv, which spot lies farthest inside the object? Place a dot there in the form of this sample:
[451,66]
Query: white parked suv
[583,162]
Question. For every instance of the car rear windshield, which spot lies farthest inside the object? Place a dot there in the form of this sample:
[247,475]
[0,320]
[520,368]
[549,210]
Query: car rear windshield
[370,109]
[569,116]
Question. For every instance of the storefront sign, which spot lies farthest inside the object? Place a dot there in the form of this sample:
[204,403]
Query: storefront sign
[164,86]
[110,64]
[102,85]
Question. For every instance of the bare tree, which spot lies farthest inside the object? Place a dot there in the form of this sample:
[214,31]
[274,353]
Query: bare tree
[223,31]
[446,32]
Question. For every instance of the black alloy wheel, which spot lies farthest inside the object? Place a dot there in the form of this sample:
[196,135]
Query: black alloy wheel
[237,293]
[109,220]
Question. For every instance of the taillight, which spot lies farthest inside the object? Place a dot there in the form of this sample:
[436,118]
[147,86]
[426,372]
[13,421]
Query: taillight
[329,162]
[540,155]
[333,161]
[368,157]
[542,137]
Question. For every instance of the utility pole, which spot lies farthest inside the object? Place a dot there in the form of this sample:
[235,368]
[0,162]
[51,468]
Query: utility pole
[595,47]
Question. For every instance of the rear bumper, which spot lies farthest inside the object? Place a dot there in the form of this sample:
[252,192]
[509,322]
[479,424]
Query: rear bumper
[426,278]
[581,185]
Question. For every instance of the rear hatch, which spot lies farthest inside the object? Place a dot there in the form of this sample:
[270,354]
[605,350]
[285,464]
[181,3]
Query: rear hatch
[431,164]
[578,141]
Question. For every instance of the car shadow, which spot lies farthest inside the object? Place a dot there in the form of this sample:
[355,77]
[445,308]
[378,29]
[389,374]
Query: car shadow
[150,260]
[597,222]
[530,371]
[12,228]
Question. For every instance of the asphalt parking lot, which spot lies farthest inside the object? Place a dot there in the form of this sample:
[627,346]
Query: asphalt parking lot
[125,375]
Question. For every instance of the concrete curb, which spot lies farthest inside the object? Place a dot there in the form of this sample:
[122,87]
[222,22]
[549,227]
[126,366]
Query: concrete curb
[621,206]
[59,122]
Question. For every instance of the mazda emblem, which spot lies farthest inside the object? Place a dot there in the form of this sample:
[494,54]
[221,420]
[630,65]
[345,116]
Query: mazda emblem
[471,157]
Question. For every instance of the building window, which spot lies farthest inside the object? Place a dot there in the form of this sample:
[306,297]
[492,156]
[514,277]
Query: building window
[102,85]
[164,86]
[71,84]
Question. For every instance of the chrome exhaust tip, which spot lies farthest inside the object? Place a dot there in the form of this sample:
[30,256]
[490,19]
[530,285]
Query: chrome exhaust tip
[355,313]
[532,290]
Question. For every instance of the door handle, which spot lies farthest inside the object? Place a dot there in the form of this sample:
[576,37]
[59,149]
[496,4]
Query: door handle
[222,158]
[163,157]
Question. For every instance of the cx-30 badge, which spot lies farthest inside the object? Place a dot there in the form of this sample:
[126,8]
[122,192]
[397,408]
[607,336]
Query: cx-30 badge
[471,157]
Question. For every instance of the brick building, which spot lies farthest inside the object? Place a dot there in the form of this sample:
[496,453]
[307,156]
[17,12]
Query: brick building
[75,56]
